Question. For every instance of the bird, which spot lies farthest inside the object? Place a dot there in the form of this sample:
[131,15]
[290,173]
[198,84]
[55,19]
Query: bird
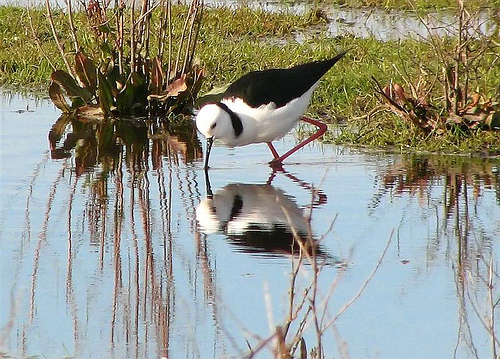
[263,106]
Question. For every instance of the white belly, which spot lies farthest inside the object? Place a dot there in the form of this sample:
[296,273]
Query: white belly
[267,123]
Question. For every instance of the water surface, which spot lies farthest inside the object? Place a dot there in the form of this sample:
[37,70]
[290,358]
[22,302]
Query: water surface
[112,245]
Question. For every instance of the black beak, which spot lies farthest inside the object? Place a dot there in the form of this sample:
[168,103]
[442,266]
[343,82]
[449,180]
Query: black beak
[210,194]
[210,141]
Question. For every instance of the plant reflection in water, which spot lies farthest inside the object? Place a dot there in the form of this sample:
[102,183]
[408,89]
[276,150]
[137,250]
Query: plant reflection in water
[463,182]
[103,142]
[112,158]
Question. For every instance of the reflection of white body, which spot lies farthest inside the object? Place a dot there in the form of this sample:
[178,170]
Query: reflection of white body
[258,219]
[238,207]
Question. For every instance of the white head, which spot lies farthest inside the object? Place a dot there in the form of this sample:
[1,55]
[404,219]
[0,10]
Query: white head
[213,121]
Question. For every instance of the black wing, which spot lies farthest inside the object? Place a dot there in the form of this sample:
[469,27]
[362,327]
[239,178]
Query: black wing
[279,85]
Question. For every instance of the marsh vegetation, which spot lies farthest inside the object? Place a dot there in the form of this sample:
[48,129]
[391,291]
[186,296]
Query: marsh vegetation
[448,84]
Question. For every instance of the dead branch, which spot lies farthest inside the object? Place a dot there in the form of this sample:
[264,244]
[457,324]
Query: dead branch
[56,38]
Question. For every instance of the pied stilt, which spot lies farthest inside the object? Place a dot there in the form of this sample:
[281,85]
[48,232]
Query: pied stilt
[263,106]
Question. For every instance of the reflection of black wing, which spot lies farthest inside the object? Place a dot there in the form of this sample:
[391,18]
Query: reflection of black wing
[279,85]
[276,241]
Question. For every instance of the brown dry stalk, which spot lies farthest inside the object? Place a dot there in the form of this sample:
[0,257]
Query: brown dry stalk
[132,39]
[120,24]
[190,46]
[260,346]
[170,47]
[35,37]
[183,37]
[143,24]
[56,38]
[291,315]
[72,26]
[311,292]
[161,30]
[146,12]
[458,57]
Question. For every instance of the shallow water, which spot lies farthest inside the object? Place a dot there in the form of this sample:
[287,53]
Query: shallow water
[360,23]
[110,247]
[376,22]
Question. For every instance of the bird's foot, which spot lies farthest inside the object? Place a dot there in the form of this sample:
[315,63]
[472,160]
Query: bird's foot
[276,164]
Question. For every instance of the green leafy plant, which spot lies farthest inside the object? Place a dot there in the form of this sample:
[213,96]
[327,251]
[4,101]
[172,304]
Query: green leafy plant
[141,64]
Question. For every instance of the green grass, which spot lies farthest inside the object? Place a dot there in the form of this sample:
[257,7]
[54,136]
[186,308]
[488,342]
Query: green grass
[254,40]
[392,133]
[22,64]
[20,61]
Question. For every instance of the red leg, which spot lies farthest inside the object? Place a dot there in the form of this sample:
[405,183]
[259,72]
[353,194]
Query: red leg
[321,130]
[273,150]
[276,163]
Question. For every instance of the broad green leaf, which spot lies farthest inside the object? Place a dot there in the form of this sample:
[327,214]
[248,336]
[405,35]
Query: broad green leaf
[68,83]
[199,75]
[125,98]
[107,65]
[105,96]
[57,97]
[133,94]
[116,81]
[107,52]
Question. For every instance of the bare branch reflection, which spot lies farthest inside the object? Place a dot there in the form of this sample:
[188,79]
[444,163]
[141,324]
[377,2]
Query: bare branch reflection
[464,183]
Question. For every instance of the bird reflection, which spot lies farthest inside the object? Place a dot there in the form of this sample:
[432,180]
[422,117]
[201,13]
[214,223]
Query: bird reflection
[258,218]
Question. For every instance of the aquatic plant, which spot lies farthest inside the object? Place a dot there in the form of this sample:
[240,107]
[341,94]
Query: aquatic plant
[142,64]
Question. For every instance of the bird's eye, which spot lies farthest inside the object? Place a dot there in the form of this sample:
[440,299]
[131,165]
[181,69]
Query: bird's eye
[213,125]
